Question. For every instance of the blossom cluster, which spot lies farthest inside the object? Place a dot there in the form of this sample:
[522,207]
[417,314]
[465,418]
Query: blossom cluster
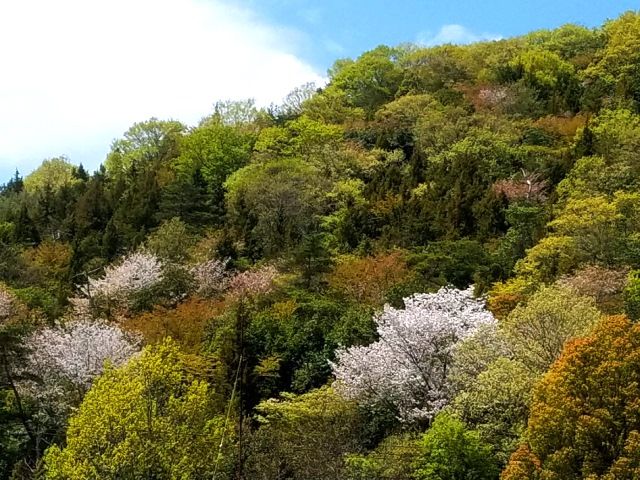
[77,353]
[135,272]
[6,304]
[407,368]
[211,277]
[253,282]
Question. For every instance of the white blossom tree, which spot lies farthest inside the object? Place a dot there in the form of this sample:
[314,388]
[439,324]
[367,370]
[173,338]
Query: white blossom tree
[58,367]
[64,360]
[407,368]
[135,272]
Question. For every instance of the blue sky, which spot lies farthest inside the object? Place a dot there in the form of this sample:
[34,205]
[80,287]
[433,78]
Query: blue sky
[79,73]
[335,28]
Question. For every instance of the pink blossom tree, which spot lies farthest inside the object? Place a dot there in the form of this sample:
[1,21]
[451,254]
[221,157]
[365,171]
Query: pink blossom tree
[252,282]
[210,277]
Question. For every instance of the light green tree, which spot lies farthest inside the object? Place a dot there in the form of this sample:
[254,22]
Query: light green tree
[538,330]
[616,70]
[144,143]
[53,174]
[369,81]
[452,452]
[148,419]
[217,149]
[497,405]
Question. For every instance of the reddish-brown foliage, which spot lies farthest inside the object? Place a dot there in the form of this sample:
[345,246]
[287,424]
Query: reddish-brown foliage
[185,324]
[523,464]
[487,97]
[605,285]
[368,279]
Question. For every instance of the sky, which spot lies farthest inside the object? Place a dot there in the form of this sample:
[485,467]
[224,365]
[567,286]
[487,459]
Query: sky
[76,74]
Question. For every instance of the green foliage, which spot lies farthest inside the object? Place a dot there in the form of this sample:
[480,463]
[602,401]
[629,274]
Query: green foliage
[538,330]
[148,419]
[304,436]
[510,165]
[313,258]
[553,78]
[144,143]
[435,70]
[526,227]
[572,42]
[236,113]
[39,299]
[18,438]
[450,263]
[275,204]
[393,459]
[369,81]
[171,241]
[216,149]
[497,405]
[632,296]
[188,198]
[302,332]
[460,195]
[52,174]
[548,259]
[616,70]
[451,452]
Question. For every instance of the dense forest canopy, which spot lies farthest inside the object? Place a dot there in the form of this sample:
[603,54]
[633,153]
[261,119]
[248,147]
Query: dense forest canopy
[427,269]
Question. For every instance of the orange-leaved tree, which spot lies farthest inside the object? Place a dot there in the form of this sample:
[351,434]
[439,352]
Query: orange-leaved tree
[585,416]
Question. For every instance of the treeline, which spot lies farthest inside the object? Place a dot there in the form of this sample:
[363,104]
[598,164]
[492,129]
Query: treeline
[427,269]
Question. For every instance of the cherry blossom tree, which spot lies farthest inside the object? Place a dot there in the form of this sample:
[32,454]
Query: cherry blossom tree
[252,282]
[407,368]
[135,272]
[6,304]
[211,277]
[66,359]
[58,366]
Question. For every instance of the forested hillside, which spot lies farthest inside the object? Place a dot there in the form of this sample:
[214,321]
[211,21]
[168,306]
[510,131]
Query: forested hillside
[427,269]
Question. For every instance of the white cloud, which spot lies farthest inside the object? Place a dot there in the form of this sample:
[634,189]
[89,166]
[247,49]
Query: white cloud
[456,34]
[77,73]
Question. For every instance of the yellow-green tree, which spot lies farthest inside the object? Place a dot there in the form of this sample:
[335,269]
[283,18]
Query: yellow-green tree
[148,419]
[538,330]
[52,174]
[616,71]
[305,437]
